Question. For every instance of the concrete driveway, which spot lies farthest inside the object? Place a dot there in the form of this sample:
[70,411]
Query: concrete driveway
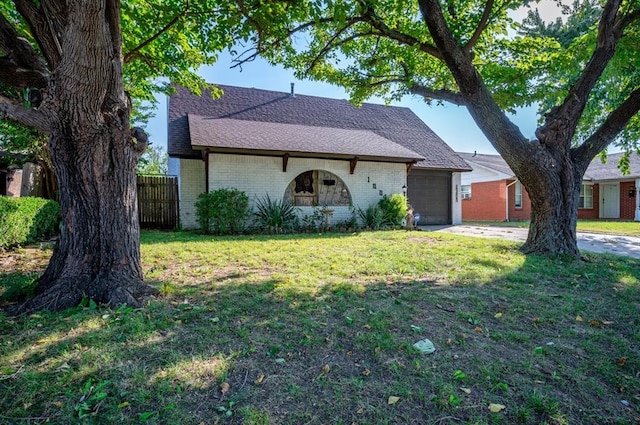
[593,242]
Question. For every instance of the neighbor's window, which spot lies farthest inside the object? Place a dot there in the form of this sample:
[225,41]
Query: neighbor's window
[586,196]
[317,187]
[518,197]
[465,191]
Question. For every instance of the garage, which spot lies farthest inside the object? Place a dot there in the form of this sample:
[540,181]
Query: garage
[429,194]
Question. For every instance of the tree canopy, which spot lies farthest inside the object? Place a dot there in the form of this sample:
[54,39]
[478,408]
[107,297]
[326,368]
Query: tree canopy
[385,48]
[581,71]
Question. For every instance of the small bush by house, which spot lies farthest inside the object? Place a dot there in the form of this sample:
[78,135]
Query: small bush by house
[223,211]
[27,220]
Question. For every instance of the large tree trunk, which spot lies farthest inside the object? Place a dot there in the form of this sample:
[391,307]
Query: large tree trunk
[97,255]
[554,189]
[94,157]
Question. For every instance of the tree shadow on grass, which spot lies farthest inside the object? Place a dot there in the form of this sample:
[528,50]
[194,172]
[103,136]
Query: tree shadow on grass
[527,338]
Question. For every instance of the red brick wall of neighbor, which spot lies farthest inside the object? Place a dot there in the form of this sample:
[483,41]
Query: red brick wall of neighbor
[519,214]
[486,202]
[591,213]
[627,204]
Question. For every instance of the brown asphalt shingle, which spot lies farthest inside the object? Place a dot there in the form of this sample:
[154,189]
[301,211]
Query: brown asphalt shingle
[399,125]
[236,135]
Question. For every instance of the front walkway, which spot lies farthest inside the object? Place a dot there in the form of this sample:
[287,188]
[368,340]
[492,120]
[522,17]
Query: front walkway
[593,242]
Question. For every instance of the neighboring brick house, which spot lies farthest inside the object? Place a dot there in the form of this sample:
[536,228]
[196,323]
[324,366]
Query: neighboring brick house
[491,191]
[309,150]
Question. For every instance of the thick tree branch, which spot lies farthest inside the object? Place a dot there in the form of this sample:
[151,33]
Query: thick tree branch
[446,95]
[46,24]
[609,130]
[565,117]
[17,49]
[16,76]
[14,111]
[503,134]
[372,19]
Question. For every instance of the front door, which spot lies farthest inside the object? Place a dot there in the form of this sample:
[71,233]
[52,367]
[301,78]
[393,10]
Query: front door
[610,200]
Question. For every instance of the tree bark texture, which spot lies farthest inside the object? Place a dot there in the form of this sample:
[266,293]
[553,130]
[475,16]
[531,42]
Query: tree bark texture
[94,154]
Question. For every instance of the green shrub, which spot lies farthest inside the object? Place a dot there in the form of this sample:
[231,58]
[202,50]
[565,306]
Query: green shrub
[27,220]
[372,218]
[223,211]
[394,208]
[275,216]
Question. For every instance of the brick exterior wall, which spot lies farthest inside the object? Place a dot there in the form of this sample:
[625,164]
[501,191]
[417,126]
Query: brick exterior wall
[263,175]
[627,203]
[258,176]
[191,183]
[488,202]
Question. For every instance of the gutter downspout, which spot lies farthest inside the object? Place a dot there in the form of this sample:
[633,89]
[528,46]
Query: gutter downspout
[507,197]
[637,217]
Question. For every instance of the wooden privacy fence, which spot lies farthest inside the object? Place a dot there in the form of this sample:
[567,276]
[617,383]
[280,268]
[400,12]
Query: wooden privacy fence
[158,202]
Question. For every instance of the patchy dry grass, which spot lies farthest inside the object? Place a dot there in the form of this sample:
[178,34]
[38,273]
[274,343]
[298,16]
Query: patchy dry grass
[319,329]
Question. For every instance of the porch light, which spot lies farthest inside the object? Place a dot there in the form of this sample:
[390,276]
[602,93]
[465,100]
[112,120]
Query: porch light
[404,190]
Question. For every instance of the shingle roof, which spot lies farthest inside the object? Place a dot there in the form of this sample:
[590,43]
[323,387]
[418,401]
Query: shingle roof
[596,170]
[398,124]
[610,171]
[239,135]
[494,162]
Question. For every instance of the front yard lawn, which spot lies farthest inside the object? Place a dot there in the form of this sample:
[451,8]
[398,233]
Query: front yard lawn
[319,329]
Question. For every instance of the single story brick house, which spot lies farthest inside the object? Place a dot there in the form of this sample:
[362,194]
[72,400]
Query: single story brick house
[309,150]
[492,192]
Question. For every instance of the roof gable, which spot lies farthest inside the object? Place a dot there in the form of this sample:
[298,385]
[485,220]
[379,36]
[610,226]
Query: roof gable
[397,124]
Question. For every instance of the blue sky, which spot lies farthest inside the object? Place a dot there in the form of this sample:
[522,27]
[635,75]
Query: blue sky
[452,123]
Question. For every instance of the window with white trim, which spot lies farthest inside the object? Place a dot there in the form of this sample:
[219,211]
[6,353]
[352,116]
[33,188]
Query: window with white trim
[465,191]
[586,196]
[518,197]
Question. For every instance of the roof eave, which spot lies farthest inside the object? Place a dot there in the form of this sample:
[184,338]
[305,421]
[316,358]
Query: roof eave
[299,154]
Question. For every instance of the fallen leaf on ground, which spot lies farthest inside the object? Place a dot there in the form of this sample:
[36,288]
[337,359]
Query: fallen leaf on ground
[259,379]
[224,387]
[622,361]
[595,323]
[579,318]
[393,399]
[498,315]
[465,390]
[366,372]
[495,407]
[326,369]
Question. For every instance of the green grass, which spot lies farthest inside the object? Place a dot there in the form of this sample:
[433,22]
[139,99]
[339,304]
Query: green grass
[613,227]
[319,329]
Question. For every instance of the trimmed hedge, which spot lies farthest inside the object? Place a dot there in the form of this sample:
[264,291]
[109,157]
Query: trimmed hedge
[27,220]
